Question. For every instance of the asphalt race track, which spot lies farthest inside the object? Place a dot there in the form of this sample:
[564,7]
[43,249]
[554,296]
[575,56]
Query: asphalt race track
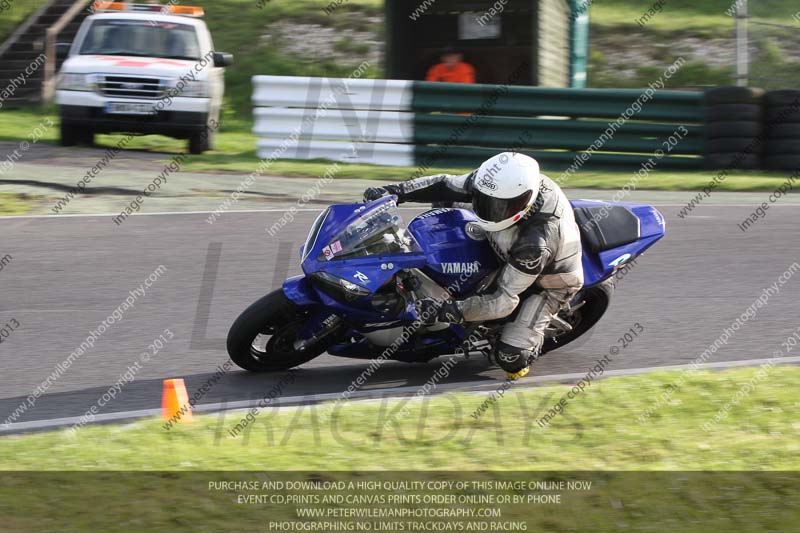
[69,273]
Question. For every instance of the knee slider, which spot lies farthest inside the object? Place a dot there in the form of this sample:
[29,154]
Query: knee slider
[512,359]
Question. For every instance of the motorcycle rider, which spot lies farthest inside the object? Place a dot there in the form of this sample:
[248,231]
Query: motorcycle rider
[531,226]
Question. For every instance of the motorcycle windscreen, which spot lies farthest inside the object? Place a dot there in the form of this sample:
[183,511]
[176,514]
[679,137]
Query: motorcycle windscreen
[378,231]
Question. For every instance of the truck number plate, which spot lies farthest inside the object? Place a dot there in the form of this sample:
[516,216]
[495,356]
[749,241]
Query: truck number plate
[129,108]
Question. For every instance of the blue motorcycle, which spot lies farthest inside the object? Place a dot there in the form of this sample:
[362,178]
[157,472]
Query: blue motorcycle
[364,269]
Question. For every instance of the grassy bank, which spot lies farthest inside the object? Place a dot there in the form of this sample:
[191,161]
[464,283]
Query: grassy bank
[597,431]
[709,17]
[260,34]
[243,28]
[17,11]
[657,33]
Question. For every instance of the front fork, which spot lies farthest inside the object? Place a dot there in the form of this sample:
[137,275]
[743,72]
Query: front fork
[320,325]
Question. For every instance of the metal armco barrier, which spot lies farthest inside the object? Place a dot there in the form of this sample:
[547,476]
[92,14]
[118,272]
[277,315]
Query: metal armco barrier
[501,132]
[394,122]
[556,125]
[668,106]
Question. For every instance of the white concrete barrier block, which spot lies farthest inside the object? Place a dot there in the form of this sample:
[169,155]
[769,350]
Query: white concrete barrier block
[332,93]
[335,124]
[343,151]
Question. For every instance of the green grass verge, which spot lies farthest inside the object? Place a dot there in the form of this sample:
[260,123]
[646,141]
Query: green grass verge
[665,475]
[597,431]
[17,204]
[168,501]
[736,181]
[236,153]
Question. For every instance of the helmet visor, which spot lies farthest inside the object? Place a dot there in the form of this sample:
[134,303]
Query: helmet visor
[498,209]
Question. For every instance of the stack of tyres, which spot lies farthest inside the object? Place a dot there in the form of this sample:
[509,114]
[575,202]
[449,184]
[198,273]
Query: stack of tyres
[734,126]
[782,128]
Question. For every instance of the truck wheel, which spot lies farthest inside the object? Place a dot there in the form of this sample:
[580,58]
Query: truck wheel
[74,135]
[86,137]
[70,135]
[201,141]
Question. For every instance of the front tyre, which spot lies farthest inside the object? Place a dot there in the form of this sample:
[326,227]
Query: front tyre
[73,134]
[262,338]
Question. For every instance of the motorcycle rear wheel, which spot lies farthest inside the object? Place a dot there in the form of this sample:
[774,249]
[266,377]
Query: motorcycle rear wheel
[597,300]
[261,339]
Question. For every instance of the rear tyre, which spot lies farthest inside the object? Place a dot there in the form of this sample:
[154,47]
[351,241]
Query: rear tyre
[597,299]
[262,338]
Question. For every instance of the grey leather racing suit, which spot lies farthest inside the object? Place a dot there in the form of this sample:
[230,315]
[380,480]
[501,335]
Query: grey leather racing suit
[541,252]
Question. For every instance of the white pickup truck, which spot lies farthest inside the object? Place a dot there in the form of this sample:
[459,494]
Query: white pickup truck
[142,69]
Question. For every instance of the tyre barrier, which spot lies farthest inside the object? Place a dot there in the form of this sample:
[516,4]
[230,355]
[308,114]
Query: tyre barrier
[734,127]
[782,125]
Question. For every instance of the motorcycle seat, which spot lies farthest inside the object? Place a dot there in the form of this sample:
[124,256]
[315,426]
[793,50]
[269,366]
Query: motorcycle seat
[604,227]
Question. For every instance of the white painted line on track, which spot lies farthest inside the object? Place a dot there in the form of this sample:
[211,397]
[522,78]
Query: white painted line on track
[304,210]
[377,393]
[161,213]
[93,215]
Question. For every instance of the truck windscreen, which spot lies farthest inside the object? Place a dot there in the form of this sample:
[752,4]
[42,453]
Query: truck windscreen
[143,38]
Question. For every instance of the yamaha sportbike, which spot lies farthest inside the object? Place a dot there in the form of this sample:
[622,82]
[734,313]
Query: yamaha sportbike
[364,270]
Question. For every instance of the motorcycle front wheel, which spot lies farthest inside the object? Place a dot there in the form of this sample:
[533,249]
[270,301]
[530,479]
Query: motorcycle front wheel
[262,338]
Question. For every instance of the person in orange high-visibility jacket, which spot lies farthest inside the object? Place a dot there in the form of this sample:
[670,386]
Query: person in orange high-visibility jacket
[452,69]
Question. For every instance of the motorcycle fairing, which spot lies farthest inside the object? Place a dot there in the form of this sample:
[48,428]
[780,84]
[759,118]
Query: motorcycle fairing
[444,248]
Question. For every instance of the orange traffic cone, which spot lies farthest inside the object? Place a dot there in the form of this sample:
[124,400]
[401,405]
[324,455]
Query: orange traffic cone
[175,401]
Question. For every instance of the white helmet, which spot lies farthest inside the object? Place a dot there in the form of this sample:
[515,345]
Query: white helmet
[504,188]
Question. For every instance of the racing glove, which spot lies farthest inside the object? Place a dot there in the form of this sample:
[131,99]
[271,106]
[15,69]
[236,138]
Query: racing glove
[373,193]
[431,311]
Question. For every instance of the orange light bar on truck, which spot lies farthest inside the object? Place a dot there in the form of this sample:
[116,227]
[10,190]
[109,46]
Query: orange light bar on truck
[187,11]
